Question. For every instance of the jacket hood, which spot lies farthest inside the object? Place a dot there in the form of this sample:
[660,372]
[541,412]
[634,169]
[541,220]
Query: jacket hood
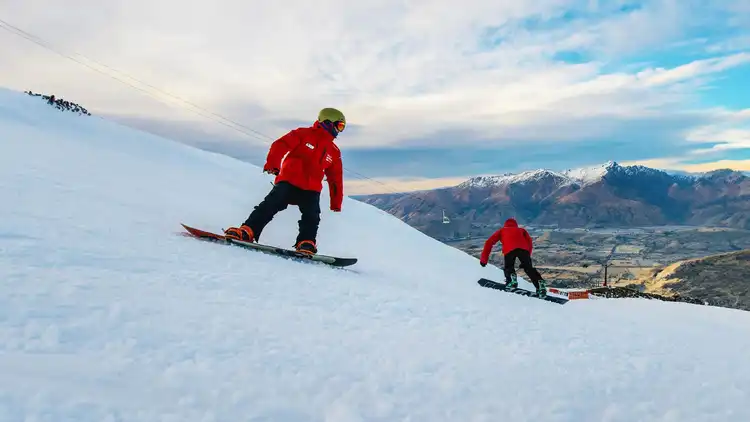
[511,222]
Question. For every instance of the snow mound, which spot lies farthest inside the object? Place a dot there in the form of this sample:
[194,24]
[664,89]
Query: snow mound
[107,315]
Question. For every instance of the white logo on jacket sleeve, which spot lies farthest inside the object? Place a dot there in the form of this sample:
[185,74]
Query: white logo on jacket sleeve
[329,158]
[309,145]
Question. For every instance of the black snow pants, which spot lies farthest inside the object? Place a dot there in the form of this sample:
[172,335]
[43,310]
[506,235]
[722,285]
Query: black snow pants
[281,196]
[524,256]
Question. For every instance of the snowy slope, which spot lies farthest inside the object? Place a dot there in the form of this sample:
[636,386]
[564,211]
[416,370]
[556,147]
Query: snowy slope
[107,315]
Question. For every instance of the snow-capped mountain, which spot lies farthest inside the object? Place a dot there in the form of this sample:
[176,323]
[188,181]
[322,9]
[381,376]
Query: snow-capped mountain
[577,177]
[107,314]
[608,194]
[580,176]
[585,175]
[533,176]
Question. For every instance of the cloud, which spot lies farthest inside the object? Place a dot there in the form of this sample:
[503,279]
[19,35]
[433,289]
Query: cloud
[740,165]
[528,81]
[676,164]
[727,131]
[397,185]
[718,145]
[213,138]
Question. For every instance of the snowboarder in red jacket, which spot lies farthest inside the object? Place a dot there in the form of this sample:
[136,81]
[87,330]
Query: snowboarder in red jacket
[517,244]
[310,154]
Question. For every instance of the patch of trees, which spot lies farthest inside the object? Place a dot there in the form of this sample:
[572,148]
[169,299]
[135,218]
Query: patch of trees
[61,104]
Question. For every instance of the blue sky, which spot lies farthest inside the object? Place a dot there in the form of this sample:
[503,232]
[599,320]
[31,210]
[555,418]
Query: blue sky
[434,92]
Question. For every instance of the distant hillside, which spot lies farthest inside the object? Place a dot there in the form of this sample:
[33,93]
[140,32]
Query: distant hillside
[722,279]
[609,195]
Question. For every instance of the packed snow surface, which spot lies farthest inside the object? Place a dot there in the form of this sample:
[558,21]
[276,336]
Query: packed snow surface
[107,314]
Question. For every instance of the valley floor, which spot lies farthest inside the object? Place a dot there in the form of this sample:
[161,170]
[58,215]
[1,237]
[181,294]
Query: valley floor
[575,258]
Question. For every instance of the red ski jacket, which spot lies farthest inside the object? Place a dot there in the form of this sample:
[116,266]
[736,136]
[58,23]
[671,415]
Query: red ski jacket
[511,236]
[311,155]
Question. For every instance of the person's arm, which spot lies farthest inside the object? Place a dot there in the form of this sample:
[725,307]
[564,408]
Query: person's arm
[529,242]
[335,178]
[279,148]
[488,246]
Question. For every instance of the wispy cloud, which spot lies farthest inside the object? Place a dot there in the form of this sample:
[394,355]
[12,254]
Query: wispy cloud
[677,164]
[728,131]
[520,79]
[396,185]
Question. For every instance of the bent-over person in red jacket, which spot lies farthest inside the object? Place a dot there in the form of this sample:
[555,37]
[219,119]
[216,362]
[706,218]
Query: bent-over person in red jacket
[517,244]
[310,154]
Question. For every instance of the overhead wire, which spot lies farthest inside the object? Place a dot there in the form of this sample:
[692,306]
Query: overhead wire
[244,129]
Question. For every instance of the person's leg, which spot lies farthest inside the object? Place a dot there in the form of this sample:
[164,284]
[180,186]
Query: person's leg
[277,200]
[528,267]
[509,269]
[309,206]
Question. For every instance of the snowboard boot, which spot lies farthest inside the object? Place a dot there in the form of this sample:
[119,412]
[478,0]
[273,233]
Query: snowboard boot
[513,283]
[541,291]
[306,247]
[243,233]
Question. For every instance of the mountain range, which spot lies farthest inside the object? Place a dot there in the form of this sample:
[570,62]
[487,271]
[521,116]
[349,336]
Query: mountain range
[609,195]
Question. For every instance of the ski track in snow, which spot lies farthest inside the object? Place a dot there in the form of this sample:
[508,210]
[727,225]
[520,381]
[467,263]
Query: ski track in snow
[108,315]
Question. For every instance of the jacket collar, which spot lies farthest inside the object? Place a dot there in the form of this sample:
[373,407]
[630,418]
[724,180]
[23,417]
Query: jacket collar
[330,131]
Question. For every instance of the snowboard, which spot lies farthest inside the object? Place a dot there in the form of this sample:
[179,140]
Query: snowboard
[334,261]
[501,286]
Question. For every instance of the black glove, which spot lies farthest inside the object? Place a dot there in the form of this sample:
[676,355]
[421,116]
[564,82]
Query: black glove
[275,172]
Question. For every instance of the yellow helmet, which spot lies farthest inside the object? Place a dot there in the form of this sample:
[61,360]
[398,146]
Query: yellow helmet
[331,114]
